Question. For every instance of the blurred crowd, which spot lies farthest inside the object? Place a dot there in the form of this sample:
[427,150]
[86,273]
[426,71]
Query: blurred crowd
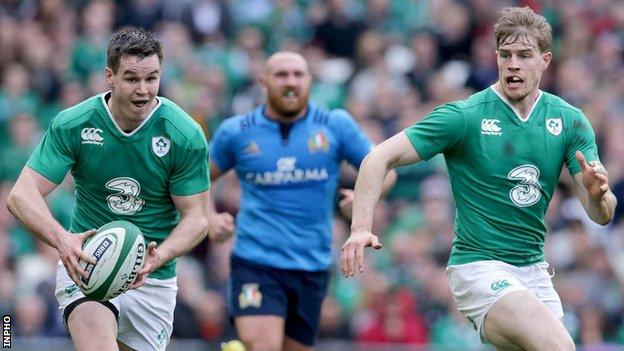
[388,62]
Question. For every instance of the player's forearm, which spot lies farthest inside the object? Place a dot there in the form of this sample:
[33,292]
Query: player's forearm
[368,188]
[601,211]
[189,232]
[29,207]
[215,175]
[389,182]
[210,204]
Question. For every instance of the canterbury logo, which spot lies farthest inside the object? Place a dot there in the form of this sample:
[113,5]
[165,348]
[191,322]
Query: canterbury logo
[92,136]
[499,285]
[490,127]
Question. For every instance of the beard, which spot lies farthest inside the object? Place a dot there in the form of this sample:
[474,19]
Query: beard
[288,107]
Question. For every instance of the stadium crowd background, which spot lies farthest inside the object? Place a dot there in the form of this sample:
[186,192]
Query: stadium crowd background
[389,62]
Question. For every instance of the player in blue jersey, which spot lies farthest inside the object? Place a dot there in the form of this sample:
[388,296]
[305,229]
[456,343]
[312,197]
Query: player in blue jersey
[504,149]
[287,156]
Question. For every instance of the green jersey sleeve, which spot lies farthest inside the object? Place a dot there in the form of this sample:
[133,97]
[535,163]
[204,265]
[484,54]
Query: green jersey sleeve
[582,138]
[54,156]
[439,132]
[190,176]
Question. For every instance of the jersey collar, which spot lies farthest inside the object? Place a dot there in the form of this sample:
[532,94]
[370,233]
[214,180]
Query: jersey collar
[110,115]
[262,112]
[516,112]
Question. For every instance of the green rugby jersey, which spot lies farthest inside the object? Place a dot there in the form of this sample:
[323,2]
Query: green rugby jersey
[128,176]
[503,171]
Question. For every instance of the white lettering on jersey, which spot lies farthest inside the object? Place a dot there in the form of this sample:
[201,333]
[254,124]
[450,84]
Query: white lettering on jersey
[287,172]
[490,127]
[554,126]
[286,164]
[527,192]
[126,201]
[92,136]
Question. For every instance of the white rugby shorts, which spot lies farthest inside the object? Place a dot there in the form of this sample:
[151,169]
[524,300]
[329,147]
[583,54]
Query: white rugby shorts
[145,314]
[477,286]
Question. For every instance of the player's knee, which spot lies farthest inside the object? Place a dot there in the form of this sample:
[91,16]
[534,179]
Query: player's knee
[566,344]
[261,345]
[256,341]
[260,333]
[559,343]
[91,334]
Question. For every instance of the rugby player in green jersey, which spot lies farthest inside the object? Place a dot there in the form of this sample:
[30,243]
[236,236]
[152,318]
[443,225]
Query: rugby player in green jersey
[504,148]
[134,156]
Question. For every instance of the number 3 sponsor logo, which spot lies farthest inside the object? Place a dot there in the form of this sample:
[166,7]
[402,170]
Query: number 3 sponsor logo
[126,201]
[527,192]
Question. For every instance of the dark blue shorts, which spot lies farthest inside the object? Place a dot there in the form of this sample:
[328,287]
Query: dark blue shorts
[293,294]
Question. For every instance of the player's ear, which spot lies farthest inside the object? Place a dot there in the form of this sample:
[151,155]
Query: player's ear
[263,82]
[108,75]
[546,58]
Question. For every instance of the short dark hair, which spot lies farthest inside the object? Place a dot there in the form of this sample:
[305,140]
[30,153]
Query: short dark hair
[518,23]
[131,41]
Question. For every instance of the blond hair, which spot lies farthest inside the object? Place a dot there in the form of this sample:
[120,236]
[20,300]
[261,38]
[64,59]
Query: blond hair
[520,23]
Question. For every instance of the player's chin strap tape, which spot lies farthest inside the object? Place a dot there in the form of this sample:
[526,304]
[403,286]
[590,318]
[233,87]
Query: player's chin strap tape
[70,308]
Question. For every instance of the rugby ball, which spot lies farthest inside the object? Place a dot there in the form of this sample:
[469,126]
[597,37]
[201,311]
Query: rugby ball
[119,251]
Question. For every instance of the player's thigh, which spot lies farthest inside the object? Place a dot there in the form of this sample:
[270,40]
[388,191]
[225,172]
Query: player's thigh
[256,290]
[124,347]
[260,332]
[305,298]
[477,286]
[92,326]
[519,320]
[291,344]
[258,304]
[146,314]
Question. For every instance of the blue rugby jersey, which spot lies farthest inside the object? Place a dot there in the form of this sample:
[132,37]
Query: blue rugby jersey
[288,182]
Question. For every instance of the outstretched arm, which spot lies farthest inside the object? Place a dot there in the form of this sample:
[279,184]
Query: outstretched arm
[396,151]
[346,202]
[26,202]
[592,185]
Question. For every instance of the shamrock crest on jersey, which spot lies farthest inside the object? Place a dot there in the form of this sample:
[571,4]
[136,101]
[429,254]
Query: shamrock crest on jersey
[554,126]
[161,145]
